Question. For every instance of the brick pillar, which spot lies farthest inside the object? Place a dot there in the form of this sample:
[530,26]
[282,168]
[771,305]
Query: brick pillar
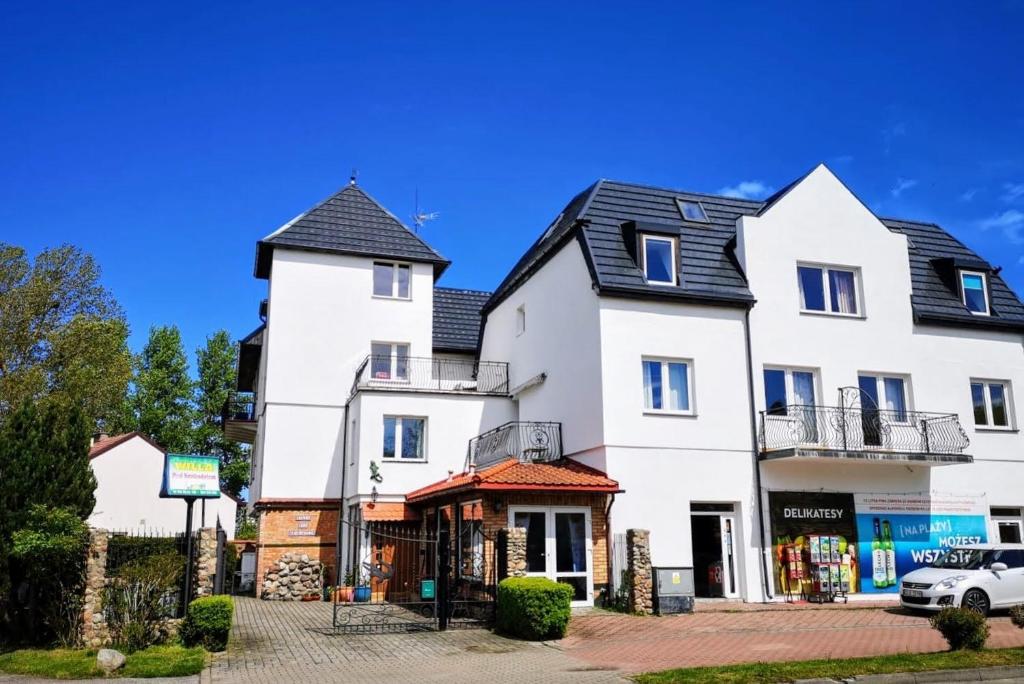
[94,625]
[638,565]
[514,539]
[206,561]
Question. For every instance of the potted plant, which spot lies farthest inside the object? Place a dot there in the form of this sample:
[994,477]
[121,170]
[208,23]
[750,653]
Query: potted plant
[362,592]
[345,593]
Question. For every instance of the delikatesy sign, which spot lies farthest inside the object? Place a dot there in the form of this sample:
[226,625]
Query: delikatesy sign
[191,476]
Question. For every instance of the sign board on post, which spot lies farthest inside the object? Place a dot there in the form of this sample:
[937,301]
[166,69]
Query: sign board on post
[191,477]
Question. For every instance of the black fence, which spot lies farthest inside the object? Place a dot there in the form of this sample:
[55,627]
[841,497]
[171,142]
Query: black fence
[527,441]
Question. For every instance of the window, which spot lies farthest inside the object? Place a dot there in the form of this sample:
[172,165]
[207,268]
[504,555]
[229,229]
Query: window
[404,437]
[1008,525]
[391,280]
[828,290]
[992,407]
[667,385]
[1013,558]
[785,387]
[975,292]
[888,393]
[389,361]
[520,320]
[660,260]
[692,211]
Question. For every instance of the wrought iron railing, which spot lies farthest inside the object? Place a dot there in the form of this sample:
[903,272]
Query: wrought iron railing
[432,373]
[859,429]
[239,406]
[527,441]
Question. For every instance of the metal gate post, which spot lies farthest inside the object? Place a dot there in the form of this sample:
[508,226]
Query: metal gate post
[443,574]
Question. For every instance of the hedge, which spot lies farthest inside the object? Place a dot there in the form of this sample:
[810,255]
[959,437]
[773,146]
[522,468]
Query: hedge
[208,623]
[533,608]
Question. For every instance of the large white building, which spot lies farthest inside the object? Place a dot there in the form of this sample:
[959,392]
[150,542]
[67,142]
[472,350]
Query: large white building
[769,387]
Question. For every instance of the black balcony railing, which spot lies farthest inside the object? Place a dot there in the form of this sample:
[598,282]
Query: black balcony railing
[884,434]
[240,406]
[527,441]
[432,374]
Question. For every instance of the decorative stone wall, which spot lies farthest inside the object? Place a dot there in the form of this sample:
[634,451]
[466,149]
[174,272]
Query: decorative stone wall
[515,551]
[293,576]
[638,564]
[94,627]
[206,562]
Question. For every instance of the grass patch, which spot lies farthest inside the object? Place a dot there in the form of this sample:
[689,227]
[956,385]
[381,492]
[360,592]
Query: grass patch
[58,663]
[770,673]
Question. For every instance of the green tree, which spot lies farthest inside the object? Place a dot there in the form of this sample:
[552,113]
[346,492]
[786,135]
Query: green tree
[63,337]
[162,393]
[216,363]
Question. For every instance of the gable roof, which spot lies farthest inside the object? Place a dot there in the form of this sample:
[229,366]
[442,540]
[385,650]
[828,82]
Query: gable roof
[349,222]
[457,318]
[563,475]
[101,446]
[709,272]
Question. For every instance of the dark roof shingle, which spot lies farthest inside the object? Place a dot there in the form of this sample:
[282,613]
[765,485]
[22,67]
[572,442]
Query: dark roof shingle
[457,318]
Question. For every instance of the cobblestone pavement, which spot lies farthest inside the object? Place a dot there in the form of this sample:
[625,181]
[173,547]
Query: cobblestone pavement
[284,641]
[635,644]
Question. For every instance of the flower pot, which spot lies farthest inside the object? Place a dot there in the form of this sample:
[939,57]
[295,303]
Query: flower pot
[361,594]
[344,594]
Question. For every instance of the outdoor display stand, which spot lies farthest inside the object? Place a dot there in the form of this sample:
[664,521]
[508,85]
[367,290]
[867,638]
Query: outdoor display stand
[819,570]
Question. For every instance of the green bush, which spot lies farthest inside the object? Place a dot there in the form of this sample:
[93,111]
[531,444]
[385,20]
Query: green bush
[139,596]
[1017,615]
[534,608]
[208,623]
[962,628]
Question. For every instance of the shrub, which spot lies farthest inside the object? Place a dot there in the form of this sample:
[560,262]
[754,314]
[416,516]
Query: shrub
[533,608]
[962,628]
[140,596]
[208,623]
[1017,615]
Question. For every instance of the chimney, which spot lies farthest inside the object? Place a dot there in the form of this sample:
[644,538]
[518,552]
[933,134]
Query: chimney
[450,473]
[98,437]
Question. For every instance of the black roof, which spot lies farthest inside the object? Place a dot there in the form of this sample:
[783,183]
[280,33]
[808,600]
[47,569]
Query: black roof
[709,272]
[457,318]
[349,222]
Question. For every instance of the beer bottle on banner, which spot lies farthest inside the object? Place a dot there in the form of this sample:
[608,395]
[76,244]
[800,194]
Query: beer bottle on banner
[889,546]
[878,574]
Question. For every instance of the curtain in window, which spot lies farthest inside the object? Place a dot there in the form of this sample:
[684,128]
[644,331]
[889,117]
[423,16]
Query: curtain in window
[844,291]
[678,392]
[652,384]
[896,398]
[803,396]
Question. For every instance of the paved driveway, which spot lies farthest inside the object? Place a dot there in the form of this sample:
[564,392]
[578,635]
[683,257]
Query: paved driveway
[275,642]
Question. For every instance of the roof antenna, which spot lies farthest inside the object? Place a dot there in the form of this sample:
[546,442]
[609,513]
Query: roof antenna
[419,218]
[352,178]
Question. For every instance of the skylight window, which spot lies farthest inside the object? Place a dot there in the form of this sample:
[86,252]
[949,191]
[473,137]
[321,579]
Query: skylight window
[692,211]
[975,292]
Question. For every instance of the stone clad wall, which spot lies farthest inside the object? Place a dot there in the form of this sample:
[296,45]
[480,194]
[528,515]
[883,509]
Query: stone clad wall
[206,562]
[94,627]
[292,577]
[515,551]
[638,564]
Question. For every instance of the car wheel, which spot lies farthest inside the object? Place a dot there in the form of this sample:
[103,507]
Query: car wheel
[976,600]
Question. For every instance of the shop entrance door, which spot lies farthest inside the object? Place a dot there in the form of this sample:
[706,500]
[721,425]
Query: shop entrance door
[715,562]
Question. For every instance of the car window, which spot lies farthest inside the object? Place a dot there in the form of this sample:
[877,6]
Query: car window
[964,559]
[1014,558]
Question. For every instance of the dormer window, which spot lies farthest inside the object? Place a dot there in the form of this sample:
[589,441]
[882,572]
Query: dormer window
[974,288]
[660,259]
[391,280]
[692,211]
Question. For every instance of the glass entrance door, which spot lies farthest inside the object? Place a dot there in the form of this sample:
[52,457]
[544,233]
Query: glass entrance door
[558,546]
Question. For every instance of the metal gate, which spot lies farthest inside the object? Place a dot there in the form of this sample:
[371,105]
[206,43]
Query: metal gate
[403,577]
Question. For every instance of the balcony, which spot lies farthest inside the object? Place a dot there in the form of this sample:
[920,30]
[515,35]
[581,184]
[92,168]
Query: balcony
[431,374]
[527,441]
[238,417]
[872,434]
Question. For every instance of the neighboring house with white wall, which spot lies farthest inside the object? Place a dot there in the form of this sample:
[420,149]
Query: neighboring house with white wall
[129,471]
[739,377]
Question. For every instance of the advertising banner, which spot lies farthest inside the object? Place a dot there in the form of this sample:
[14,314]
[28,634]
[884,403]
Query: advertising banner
[186,476]
[898,533]
[814,542]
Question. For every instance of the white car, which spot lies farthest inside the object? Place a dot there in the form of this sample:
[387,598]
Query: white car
[978,576]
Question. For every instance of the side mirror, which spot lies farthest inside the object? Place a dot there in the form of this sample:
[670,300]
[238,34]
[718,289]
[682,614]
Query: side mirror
[998,567]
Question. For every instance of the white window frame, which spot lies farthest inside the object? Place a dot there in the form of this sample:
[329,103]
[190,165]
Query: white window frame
[395,265]
[550,546]
[399,435]
[790,392]
[673,243]
[1011,422]
[393,376]
[827,289]
[520,319]
[881,392]
[690,393]
[984,292]
[1000,520]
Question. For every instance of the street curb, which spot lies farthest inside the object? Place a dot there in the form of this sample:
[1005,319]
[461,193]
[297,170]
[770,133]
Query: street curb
[978,674]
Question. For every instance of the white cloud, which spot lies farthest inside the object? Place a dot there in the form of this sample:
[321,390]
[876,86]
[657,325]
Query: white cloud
[902,184]
[1012,192]
[746,190]
[968,194]
[1010,222]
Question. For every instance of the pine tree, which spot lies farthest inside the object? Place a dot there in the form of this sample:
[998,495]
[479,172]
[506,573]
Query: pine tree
[216,364]
[162,395]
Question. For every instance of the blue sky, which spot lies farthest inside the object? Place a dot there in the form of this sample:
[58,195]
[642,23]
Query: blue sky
[166,139]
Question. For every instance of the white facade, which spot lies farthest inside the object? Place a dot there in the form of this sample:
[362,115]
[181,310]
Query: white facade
[128,479]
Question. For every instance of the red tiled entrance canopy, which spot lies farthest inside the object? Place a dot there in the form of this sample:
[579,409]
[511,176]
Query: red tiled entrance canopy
[389,511]
[563,475]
